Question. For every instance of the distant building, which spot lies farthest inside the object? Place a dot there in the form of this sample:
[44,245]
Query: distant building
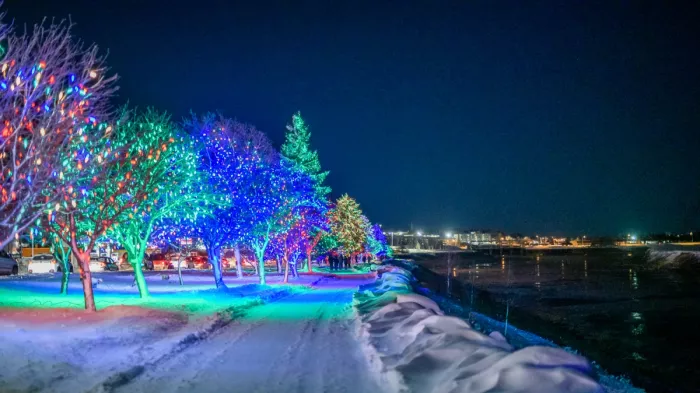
[476,237]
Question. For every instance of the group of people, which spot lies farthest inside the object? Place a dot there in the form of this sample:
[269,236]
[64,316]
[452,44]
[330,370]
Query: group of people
[338,261]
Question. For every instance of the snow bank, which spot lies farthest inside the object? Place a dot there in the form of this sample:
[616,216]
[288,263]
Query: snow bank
[679,257]
[420,349]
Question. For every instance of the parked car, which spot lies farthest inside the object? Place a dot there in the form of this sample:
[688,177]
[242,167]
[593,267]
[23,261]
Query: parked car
[101,264]
[59,267]
[159,261]
[8,265]
[197,260]
[42,263]
[146,263]
[228,259]
[174,258]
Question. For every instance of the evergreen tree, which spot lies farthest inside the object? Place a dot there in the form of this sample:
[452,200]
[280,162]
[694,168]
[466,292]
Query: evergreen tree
[297,148]
[348,225]
[377,243]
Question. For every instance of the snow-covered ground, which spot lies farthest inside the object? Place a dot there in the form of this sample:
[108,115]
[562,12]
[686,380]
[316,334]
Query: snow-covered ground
[123,282]
[419,349]
[323,335]
[266,339]
[302,343]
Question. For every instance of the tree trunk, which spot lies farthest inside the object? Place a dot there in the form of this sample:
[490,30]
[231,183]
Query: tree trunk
[286,270]
[295,260]
[179,269]
[239,262]
[65,273]
[86,278]
[261,266]
[279,264]
[308,263]
[140,279]
[215,261]
[254,264]
[63,257]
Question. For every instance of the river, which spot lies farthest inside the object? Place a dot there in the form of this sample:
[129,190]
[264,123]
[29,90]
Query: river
[607,304]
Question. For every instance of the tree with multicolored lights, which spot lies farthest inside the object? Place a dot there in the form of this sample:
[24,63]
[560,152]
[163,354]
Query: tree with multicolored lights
[313,225]
[235,158]
[348,225]
[177,193]
[109,179]
[53,93]
[297,149]
[292,240]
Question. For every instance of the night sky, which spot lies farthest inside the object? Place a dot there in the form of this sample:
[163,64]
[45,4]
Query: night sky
[560,117]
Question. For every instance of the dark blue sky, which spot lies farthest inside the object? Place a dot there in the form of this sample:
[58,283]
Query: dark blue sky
[551,117]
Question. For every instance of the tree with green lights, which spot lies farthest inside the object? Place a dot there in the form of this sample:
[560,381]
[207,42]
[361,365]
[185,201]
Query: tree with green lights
[105,178]
[326,243]
[348,225]
[62,253]
[297,149]
[177,193]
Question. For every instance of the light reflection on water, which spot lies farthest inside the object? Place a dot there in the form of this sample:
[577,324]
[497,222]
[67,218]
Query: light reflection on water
[600,299]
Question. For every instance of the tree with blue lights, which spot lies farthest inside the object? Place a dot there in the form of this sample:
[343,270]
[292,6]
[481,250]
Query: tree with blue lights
[276,197]
[235,158]
[376,242]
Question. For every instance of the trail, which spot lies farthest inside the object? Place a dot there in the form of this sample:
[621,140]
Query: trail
[302,343]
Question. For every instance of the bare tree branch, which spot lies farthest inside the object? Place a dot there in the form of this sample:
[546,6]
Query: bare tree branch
[52,88]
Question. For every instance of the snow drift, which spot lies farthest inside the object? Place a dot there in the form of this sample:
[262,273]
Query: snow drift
[420,349]
[674,257]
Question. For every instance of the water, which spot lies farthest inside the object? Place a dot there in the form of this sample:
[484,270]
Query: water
[607,304]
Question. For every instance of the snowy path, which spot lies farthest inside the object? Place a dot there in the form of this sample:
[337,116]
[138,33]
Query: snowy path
[302,343]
